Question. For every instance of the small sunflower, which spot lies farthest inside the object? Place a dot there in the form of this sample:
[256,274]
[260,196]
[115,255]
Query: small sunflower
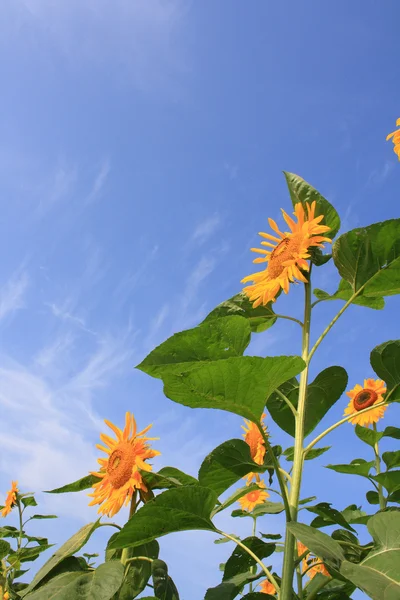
[363,397]
[255,440]
[289,255]
[119,472]
[267,587]
[254,498]
[301,548]
[396,139]
[318,568]
[6,596]
[11,499]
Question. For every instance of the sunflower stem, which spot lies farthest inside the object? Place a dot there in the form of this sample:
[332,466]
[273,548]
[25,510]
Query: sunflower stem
[125,551]
[382,499]
[287,401]
[278,472]
[318,588]
[253,569]
[344,420]
[253,556]
[298,459]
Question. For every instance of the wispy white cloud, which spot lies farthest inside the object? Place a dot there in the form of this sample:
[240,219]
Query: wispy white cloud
[99,183]
[57,187]
[129,283]
[379,175]
[64,312]
[201,271]
[12,293]
[205,229]
[51,354]
[156,326]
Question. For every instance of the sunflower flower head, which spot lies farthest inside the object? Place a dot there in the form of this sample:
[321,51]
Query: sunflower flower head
[365,397]
[11,499]
[6,596]
[254,498]
[252,437]
[395,135]
[119,472]
[266,587]
[317,567]
[289,254]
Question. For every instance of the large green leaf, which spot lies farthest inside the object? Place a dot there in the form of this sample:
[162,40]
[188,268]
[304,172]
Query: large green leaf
[77,486]
[317,542]
[167,478]
[179,509]
[330,515]
[385,360]
[100,584]
[350,515]
[240,385]
[367,435]
[301,191]
[212,340]
[225,465]
[4,548]
[358,466]
[164,587]
[322,393]
[391,459]
[311,454]
[260,318]
[228,590]
[139,570]
[345,291]
[378,575]
[266,508]
[71,546]
[390,480]
[369,258]
[392,432]
[241,562]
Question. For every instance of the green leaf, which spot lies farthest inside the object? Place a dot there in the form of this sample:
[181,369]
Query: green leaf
[395,496]
[369,436]
[372,497]
[345,292]
[67,565]
[228,590]
[71,546]
[43,517]
[266,508]
[139,570]
[237,494]
[318,543]
[369,258]
[378,575]
[351,547]
[258,596]
[77,486]
[271,536]
[28,501]
[322,393]
[31,553]
[212,340]
[167,478]
[392,432]
[239,385]
[391,459]
[260,318]
[301,191]
[307,500]
[390,480]
[225,465]
[358,466]
[385,360]
[241,562]
[100,584]
[313,453]
[4,548]
[164,587]
[179,509]
[329,514]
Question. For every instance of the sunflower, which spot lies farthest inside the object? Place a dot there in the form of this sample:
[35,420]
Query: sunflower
[11,499]
[267,587]
[254,498]
[396,139]
[255,440]
[6,596]
[318,568]
[289,255]
[119,472]
[363,397]
[301,548]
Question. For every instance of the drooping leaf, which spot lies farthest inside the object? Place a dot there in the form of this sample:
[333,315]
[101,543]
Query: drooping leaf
[167,478]
[391,459]
[390,480]
[271,536]
[239,385]
[179,509]
[369,258]
[28,501]
[358,466]
[241,562]
[313,453]
[266,508]
[212,340]
[320,544]
[164,587]
[77,486]
[330,515]
[372,497]
[385,360]
[350,546]
[367,435]
[345,292]
[301,191]
[71,546]
[139,570]
[100,584]
[43,517]
[225,465]
[228,590]
[392,432]
[260,318]
[378,575]
[322,393]
[4,548]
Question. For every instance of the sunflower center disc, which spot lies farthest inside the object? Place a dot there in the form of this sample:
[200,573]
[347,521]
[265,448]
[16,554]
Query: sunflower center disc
[253,496]
[285,250]
[364,399]
[120,463]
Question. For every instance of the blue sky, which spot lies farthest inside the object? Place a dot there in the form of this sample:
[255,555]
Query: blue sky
[141,151]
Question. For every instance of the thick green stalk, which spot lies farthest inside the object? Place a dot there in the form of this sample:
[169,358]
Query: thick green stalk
[289,557]
[125,551]
[253,569]
[382,500]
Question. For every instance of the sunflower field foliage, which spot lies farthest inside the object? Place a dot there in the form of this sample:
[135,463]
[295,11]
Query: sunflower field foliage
[251,476]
